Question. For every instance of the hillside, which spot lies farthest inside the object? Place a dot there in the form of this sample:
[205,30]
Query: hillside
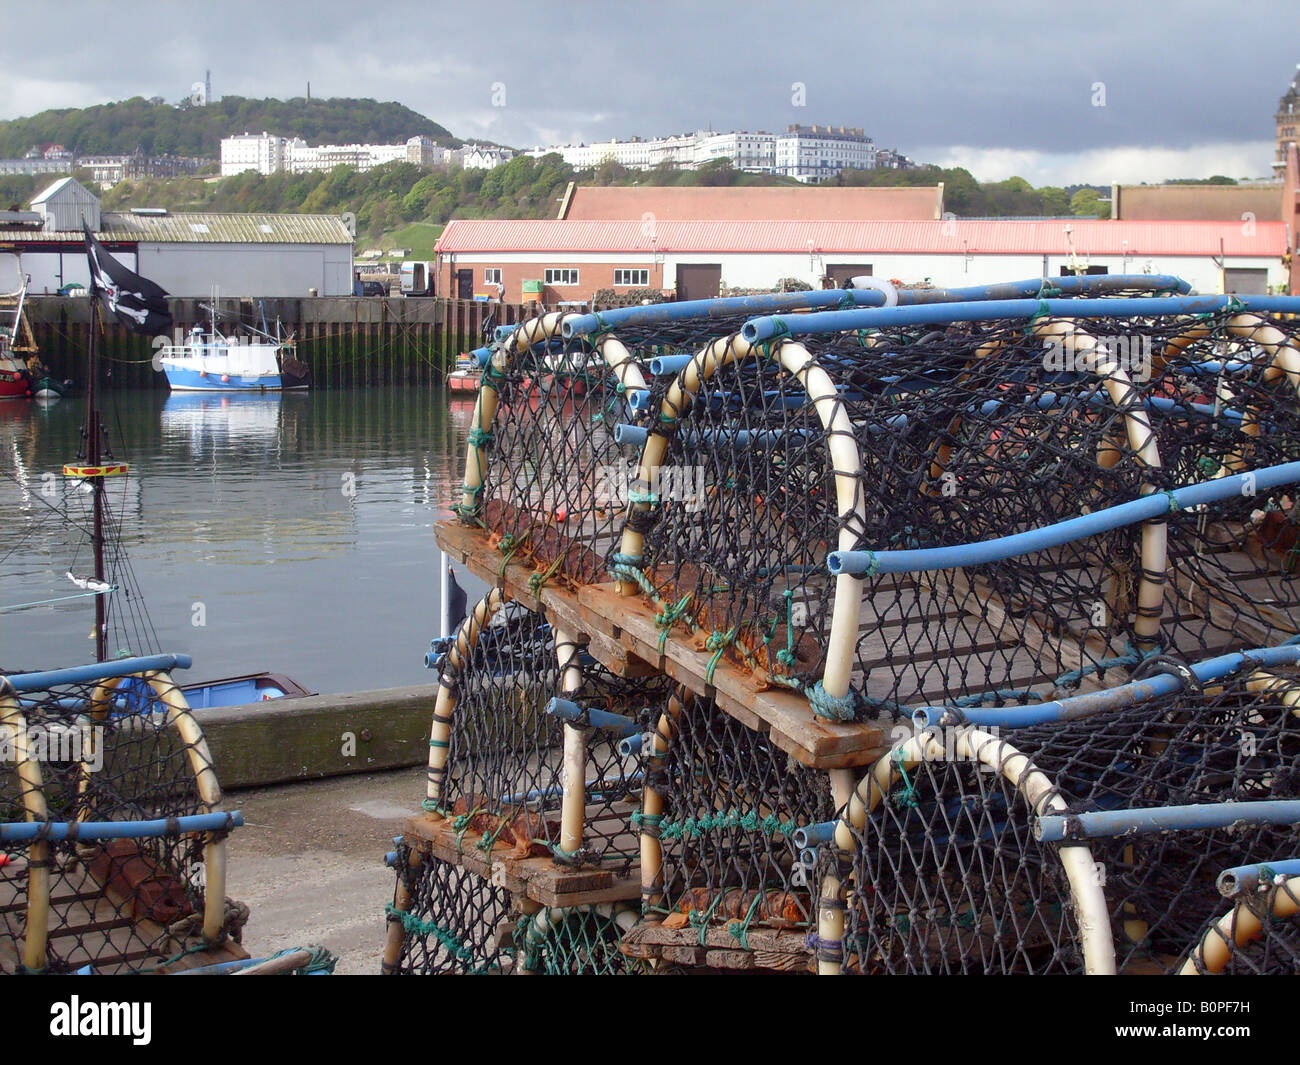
[161,128]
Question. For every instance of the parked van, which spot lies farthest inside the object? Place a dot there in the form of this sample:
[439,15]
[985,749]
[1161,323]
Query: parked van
[417,278]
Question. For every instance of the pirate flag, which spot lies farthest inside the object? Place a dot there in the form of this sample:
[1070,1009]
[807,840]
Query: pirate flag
[135,301]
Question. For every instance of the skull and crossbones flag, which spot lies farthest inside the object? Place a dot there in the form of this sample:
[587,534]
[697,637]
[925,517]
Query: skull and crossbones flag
[135,301]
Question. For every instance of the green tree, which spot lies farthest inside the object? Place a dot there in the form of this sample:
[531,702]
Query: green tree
[1088,202]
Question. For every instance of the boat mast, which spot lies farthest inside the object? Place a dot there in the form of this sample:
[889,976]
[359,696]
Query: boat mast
[93,460]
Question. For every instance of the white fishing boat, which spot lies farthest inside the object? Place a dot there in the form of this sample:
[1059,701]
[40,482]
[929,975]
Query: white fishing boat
[245,360]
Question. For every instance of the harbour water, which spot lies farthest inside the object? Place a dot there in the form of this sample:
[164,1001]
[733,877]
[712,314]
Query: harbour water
[266,532]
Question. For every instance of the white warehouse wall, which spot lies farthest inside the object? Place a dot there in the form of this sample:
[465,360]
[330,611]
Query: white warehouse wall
[51,270]
[763,270]
[249,269]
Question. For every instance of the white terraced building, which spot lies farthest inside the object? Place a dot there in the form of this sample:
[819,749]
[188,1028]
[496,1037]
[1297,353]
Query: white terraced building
[268,153]
[808,153]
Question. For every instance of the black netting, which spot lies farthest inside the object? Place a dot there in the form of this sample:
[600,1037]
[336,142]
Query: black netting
[452,920]
[505,764]
[731,801]
[949,878]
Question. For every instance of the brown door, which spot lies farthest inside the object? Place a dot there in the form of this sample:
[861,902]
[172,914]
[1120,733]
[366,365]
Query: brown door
[698,281]
[465,284]
[1250,282]
[841,272]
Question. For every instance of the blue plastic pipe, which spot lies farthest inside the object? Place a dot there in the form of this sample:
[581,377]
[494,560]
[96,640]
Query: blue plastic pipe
[1078,706]
[122,667]
[1103,824]
[593,787]
[762,329]
[812,835]
[481,356]
[663,365]
[775,302]
[26,831]
[1248,879]
[862,563]
[601,719]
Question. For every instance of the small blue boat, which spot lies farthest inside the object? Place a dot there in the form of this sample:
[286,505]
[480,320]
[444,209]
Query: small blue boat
[239,691]
[134,695]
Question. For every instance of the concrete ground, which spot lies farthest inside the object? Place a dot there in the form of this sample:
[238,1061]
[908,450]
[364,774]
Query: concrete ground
[309,862]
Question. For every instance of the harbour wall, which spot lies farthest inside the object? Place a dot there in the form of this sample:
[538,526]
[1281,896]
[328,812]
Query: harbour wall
[281,741]
[346,341]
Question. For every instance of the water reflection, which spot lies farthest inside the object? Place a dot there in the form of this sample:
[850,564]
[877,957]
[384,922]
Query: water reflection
[300,521]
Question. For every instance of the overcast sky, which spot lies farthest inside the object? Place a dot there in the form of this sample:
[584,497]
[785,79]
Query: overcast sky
[1095,92]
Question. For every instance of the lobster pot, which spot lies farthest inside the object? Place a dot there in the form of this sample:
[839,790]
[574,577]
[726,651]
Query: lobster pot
[451,920]
[120,750]
[1240,743]
[555,481]
[947,875]
[947,878]
[505,767]
[729,874]
[953,437]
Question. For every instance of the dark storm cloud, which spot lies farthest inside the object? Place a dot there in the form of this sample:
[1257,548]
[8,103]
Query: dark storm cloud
[988,75]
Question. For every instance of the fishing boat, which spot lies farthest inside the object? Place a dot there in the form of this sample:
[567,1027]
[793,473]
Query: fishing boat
[15,335]
[465,377]
[249,359]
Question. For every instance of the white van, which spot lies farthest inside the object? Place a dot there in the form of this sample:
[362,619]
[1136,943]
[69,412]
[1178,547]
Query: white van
[417,278]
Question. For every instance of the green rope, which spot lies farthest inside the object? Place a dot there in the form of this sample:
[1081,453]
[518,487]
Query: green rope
[695,827]
[667,617]
[1043,312]
[780,333]
[479,437]
[717,643]
[538,578]
[416,927]
[908,795]
[740,929]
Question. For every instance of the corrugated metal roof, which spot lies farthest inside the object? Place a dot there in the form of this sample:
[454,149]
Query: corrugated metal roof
[202,228]
[58,186]
[950,236]
[747,203]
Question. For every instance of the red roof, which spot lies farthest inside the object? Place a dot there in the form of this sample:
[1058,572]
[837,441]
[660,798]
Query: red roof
[746,203]
[1007,236]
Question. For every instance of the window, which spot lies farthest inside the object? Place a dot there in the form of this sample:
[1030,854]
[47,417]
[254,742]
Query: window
[556,276]
[632,277]
[492,275]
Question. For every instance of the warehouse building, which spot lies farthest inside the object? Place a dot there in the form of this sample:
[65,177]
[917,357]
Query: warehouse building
[559,261]
[187,254]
